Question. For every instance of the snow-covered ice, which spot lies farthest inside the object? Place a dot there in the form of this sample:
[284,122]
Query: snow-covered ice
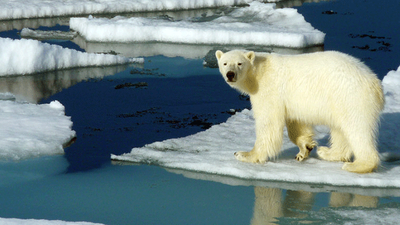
[13,221]
[391,82]
[258,24]
[211,151]
[17,9]
[31,130]
[19,57]
[35,87]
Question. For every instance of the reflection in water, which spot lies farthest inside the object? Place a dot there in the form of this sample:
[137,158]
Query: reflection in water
[6,25]
[267,206]
[295,3]
[346,199]
[188,51]
[270,205]
[34,88]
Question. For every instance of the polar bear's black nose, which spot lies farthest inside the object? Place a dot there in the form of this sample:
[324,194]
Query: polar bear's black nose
[230,75]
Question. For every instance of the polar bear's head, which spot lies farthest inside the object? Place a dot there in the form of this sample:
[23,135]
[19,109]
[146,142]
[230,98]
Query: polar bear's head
[234,65]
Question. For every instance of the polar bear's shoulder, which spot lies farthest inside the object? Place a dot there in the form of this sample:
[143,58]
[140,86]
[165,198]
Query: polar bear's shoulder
[261,57]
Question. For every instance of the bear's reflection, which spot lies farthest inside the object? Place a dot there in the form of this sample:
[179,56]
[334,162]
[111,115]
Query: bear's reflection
[270,204]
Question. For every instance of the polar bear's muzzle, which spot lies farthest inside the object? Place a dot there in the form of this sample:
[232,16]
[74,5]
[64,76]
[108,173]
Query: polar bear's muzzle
[230,76]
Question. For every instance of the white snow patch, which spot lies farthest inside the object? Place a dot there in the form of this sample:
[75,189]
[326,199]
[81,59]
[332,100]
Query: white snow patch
[19,57]
[42,8]
[211,151]
[31,130]
[258,24]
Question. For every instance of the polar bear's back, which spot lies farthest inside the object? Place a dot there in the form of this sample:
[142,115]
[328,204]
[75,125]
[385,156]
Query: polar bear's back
[324,82]
[326,70]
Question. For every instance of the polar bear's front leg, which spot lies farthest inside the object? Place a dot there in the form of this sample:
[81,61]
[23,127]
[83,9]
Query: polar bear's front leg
[268,144]
[252,156]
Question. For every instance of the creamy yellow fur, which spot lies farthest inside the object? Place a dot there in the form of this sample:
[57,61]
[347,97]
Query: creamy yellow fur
[299,91]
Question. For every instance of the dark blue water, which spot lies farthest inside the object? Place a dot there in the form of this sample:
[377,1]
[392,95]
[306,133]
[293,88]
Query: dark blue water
[365,29]
[178,97]
[111,120]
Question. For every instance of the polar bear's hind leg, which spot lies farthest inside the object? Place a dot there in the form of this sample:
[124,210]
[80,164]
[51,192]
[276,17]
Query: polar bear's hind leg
[339,150]
[366,156]
[302,135]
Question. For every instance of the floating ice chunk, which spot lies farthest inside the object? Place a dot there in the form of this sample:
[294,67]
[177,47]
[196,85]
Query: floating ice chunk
[31,56]
[258,24]
[56,105]
[391,83]
[30,130]
[211,151]
[41,8]
[41,35]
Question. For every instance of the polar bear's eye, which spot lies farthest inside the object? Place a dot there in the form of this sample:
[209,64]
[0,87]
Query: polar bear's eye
[224,64]
[239,64]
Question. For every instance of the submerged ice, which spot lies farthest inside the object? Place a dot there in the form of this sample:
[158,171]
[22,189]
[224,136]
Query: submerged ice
[14,221]
[258,24]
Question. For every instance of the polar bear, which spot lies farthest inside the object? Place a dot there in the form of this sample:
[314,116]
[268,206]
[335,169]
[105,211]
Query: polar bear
[299,91]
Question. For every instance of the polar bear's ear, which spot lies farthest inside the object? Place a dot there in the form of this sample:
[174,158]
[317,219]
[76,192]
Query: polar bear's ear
[250,55]
[218,54]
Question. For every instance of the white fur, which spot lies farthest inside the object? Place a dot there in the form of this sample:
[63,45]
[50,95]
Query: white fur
[299,91]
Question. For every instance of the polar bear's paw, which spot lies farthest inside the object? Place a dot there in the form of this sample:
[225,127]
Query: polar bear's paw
[359,167]
[250,157]
[302,156]
[305,151]
[323,153]
[328,154]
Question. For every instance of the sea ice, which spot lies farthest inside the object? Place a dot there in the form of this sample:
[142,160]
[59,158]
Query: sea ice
[391,82]
[258,24]
[19,57]
[17,9]
[42,35]
[211,151]
[31,130]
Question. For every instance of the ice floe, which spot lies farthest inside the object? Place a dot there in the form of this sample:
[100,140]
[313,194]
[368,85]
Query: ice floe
[40,34]
[258,24]
[211,151]
[41,8]
[31,130]
[19,57]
